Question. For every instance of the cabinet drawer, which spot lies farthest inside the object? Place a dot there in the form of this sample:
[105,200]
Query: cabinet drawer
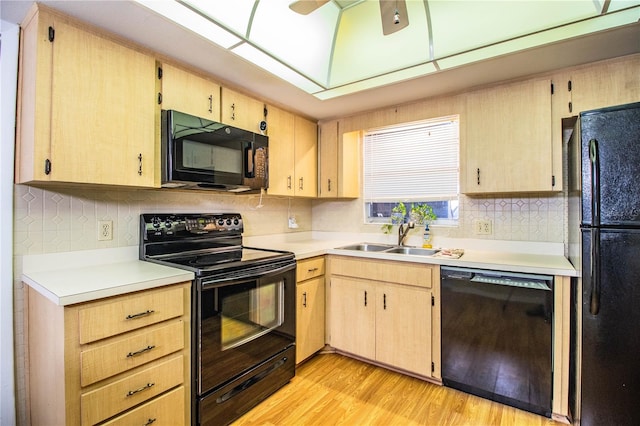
[167,410]
[310,268]
[416,274]
[128,313]
[119,396]
[104,361]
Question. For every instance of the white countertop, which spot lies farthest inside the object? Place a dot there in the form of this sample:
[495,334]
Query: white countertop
[82,276]
[75,277]
[529,258]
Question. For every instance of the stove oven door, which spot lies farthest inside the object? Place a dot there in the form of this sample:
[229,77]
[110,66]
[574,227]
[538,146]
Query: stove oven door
[243,323]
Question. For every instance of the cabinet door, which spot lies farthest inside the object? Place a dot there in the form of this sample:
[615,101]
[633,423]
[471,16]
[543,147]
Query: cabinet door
[608,84]
[241,111]
[508,139]
[306,155]
[339,158]
[353,316]
[310,318]
[186,92]
[403,327]
[103,111]
[328,155]
[280,126]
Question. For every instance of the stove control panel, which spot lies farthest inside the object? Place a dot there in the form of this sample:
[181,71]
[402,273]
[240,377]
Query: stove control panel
[165,226]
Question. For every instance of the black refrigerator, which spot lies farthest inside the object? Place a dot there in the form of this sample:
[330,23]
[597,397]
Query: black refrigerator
[604,245]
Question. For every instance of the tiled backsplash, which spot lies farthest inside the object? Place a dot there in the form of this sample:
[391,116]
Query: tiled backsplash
[532,218]
[48,221]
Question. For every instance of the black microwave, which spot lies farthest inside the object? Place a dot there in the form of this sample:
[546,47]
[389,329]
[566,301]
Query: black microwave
[198,153]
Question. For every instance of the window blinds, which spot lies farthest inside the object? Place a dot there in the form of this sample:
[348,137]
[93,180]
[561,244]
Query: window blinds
[416,162]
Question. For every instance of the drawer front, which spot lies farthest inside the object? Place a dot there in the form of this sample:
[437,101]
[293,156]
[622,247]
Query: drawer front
[100,404]
[104,361]
[310,268]
[129,313]
[167,410]
[416,274]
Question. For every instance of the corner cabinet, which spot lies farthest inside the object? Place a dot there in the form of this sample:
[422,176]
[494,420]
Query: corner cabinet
[189,93]
[293,154]
[508,146]
[387,312]
[339,158]
[86,106]
[310,307]
[124,359]
[241,111]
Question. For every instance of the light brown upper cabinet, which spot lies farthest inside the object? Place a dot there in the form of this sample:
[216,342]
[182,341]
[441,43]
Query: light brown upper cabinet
[293,154]
[339,162]
[508,145]
[87,106]
[189,93]
[241,111]
[603,85]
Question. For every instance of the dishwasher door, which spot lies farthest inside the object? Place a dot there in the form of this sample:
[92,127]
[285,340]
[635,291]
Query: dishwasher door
[497,336]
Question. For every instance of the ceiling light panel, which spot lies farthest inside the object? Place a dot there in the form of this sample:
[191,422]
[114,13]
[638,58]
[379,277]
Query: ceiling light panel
[362,50]
[302,41]
[234,15]
[192,21]
[459,26]
[258,57]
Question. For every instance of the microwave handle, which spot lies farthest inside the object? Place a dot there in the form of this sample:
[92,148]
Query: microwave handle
[249,153]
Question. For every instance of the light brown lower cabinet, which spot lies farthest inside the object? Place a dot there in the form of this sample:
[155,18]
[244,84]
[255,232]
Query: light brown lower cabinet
[123,359]
[310,307]
[387,312]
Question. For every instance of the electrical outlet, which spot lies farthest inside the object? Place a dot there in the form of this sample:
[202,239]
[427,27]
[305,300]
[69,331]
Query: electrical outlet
[105,230]
[482,227]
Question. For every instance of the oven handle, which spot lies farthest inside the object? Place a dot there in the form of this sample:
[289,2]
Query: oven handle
[249,276]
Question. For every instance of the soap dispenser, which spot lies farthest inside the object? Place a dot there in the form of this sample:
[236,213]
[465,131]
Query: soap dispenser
[426,237]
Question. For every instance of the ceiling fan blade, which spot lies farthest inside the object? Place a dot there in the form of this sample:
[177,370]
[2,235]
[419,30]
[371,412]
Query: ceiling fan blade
[388,10]
[305,7]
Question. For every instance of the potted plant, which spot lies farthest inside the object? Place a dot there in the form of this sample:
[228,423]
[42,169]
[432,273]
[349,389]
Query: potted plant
[420,214]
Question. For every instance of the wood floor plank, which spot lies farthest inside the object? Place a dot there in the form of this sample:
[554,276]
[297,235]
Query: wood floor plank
[332,389]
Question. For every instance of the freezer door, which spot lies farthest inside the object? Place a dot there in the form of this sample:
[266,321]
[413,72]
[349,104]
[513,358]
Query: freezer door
[610,336]
[610,158]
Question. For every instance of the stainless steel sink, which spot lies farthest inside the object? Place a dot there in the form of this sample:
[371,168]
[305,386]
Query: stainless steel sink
[385,248]
[412,250]
[366,247]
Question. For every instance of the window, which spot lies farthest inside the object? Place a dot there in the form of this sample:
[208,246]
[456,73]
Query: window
[415,163]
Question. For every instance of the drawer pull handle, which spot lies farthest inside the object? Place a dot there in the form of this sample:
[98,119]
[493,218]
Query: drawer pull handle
[312,270]
[141,314]
[141,351]
[145,387]
[149,422]
[304,299]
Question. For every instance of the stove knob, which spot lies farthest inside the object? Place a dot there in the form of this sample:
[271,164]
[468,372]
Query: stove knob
[220,222]
[236,221]
[168,223]
[228,222]
[156,222]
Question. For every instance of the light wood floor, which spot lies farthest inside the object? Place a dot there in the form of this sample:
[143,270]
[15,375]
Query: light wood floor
[332,389]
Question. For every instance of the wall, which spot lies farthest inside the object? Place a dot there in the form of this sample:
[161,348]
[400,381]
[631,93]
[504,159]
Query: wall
[8,73]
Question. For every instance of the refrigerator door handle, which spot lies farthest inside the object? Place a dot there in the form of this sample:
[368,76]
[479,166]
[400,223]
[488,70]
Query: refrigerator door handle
[594,302]
[595,181]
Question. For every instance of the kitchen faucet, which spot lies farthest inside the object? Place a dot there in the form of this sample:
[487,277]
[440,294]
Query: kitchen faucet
[403,231]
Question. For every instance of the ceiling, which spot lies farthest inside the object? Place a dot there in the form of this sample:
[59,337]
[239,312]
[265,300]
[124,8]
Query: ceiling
[336,59]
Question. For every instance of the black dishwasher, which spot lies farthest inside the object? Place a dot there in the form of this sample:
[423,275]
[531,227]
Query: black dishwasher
[497,336]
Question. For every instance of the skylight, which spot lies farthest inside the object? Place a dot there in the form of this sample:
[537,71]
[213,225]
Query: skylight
[339,47]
